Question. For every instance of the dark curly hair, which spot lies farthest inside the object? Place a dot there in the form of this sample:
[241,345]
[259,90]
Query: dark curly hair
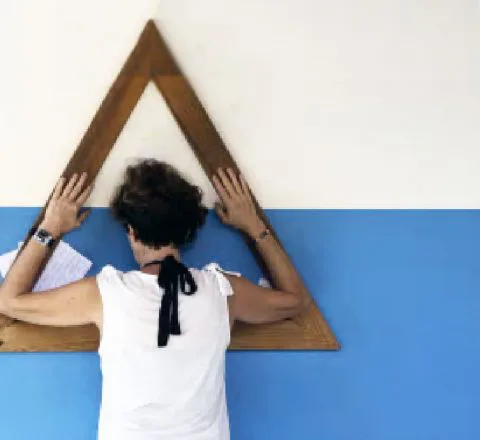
[159,205]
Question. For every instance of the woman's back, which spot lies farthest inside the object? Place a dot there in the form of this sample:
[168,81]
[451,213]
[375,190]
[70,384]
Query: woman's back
[171,392]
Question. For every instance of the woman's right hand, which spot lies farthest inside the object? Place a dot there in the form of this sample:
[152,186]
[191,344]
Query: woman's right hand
[236,208]
[63,210]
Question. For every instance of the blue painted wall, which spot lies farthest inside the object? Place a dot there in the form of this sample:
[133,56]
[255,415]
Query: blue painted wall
[401,290]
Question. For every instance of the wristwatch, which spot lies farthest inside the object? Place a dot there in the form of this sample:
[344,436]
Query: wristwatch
[44,237]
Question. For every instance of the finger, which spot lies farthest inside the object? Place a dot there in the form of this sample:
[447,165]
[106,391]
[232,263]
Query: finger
[83,216]
[77,189]
[220,188]
[227,184]
[245,187]
[221,212]
[70,185]
[234,181]
[57,192]
[83,197]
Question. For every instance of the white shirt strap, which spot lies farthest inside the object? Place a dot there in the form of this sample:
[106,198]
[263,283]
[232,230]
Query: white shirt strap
[222,280]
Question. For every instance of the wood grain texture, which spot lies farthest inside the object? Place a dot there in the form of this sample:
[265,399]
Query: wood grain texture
[151,60]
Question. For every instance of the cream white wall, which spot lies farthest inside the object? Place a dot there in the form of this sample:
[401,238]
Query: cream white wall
[344,104]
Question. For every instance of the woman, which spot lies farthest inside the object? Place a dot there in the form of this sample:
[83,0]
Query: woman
[164,328]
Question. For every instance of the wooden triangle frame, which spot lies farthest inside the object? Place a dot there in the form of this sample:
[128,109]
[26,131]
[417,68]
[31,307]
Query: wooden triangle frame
[151,60]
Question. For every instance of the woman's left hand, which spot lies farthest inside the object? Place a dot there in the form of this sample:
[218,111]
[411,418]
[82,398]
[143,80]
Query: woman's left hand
[237,208]
[63,210]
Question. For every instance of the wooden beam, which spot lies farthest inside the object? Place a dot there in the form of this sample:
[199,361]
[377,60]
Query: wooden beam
[151,60]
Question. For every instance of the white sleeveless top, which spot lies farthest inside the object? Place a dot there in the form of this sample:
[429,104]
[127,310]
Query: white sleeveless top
[175,392]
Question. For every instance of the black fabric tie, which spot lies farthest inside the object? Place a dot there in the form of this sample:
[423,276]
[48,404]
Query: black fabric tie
[171,275]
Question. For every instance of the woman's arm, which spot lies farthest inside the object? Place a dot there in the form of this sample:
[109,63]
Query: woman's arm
[74,304]
[252,303]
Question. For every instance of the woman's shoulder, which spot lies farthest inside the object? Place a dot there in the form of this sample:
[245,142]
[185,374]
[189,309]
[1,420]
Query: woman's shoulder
[111,275]
[213,276]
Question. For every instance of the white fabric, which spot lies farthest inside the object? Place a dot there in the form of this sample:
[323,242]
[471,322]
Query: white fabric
[175,392]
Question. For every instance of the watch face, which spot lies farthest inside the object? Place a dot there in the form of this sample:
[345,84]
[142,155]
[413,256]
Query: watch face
[43,235]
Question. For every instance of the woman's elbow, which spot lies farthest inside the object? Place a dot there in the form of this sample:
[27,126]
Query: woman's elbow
[305,303]
[3,306]
[300,304]
[6,306]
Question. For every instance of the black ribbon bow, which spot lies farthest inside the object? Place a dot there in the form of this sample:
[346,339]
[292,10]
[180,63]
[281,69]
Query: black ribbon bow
[171,275]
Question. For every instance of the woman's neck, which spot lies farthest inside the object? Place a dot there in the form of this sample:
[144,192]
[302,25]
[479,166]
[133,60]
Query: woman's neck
[148,255]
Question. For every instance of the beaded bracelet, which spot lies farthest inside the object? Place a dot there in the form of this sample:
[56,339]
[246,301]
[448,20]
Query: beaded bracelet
[262,235]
